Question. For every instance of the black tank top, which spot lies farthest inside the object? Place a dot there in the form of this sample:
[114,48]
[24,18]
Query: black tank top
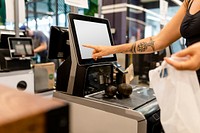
[190,28]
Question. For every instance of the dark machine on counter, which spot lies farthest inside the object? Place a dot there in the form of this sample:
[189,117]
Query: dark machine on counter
[80,75]
[15,52]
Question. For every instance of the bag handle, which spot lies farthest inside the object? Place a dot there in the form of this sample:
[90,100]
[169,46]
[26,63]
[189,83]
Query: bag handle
[163,70]
[164,65]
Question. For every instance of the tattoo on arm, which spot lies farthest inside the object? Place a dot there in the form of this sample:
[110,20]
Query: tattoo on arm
[143,46]
[133,50]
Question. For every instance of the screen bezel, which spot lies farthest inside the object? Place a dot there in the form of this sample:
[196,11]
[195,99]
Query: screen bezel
[12,54]
[87,61]
[4,35]
[58,47]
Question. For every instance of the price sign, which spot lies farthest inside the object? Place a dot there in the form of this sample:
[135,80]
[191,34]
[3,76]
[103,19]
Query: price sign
[77,3]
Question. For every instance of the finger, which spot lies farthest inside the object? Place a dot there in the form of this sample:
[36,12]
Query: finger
[182,53]
[173,63]
[183,65]
[96,55]
[88,46]
[95,58]
[94,51]
[169,61]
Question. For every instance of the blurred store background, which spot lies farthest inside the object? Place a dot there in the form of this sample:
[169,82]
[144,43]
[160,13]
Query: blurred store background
[130,20]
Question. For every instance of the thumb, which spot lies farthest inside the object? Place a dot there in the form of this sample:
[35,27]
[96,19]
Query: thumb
[182,53]
[96,55]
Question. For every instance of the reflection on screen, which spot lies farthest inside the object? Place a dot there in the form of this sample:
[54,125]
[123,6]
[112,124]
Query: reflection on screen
[91,33]
[28,48]
[21,48]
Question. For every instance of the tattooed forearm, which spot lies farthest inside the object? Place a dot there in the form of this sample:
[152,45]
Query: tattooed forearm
[143,46]
[133,50]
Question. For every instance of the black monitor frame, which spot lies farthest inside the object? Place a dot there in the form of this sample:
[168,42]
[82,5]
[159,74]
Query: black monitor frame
[5,34]
[72,29]
[58,47]
[25,43]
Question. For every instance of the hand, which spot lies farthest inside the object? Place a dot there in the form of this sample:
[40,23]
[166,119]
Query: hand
[99,51]
[193,61]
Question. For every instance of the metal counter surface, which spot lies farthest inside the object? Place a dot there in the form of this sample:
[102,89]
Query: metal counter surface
[139,97]
[119,110]
[96,107]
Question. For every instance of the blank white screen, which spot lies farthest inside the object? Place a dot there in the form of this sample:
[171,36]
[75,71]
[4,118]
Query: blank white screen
[91,33]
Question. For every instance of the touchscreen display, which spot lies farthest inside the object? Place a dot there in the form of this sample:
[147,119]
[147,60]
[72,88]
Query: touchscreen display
[20,47]
[91,33]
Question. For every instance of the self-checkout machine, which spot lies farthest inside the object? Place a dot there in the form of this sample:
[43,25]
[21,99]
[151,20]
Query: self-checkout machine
[16,51]
[16,67]
[15,64]
[81,81]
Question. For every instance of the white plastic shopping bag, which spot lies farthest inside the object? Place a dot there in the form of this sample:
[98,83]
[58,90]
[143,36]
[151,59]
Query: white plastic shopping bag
[178,95]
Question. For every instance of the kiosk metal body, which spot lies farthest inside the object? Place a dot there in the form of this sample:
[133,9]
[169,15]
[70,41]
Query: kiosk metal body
[82,87]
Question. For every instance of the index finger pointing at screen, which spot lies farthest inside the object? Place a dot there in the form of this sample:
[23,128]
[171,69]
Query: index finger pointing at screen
[88,46]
